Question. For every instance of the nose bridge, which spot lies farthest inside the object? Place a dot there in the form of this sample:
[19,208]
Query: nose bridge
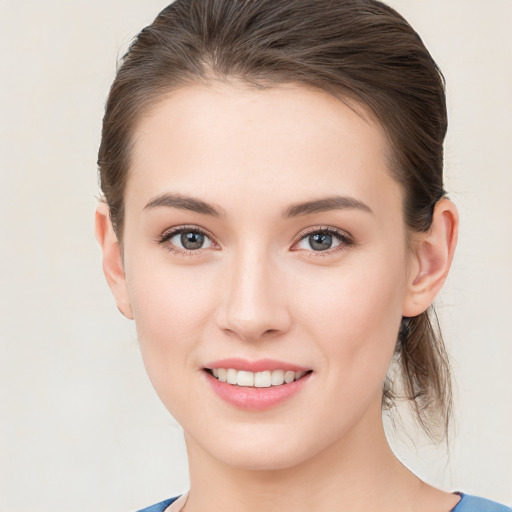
[254,299]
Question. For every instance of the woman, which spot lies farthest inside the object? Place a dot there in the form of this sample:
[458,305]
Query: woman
[275,223]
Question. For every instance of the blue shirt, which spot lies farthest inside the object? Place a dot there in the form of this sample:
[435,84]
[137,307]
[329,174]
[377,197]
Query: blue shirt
[466,504]
[474,504]
[159,507]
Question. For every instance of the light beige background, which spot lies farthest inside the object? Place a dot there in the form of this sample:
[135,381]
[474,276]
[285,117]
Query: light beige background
[80,427]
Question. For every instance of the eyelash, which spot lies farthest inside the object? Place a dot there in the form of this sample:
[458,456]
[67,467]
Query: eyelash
[343,239]
[168,235]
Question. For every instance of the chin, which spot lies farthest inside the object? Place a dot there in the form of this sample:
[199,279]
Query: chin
[265,449]
[263,459]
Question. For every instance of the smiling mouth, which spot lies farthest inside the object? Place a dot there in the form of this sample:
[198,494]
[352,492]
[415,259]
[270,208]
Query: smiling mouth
[264,379]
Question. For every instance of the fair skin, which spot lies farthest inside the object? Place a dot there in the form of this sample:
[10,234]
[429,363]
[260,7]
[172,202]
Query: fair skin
[267,274]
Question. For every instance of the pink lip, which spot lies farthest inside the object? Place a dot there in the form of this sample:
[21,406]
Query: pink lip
[255,366]
[255,399]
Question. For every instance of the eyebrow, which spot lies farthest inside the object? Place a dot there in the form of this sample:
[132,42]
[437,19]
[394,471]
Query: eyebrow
[182,202]
[325,204]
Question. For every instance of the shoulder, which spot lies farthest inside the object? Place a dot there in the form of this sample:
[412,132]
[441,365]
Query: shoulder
[159,507]
[475,504]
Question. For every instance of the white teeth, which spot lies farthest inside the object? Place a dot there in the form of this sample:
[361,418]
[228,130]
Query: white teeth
[245,378]
[277,377]
[289,376]
[232,376]
[263,379]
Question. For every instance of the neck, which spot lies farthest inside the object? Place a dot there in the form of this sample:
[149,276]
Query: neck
[358,472]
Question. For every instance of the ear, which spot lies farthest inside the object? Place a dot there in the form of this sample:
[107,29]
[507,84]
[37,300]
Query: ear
[113,267]
[432,257]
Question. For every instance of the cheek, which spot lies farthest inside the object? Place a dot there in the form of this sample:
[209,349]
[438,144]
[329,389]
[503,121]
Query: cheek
[171,308]
[355,315]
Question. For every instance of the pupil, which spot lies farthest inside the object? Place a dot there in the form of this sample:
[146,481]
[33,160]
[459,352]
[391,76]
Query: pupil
[320,241]
[192,240]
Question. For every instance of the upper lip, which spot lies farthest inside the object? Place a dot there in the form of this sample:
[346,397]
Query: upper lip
[259,365]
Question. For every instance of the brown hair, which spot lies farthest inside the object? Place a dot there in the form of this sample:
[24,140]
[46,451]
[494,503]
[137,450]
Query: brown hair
[354,49]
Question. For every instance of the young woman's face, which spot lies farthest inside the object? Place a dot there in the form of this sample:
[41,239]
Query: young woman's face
[264,236]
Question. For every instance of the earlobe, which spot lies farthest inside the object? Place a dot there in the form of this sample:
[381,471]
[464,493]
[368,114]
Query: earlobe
[433,254]
[113,267]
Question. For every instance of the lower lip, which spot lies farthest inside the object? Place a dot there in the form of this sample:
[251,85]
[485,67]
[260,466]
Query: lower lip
[255,399]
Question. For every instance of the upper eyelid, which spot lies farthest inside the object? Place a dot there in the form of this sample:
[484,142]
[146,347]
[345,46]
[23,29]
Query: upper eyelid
[323,229]
[169,233]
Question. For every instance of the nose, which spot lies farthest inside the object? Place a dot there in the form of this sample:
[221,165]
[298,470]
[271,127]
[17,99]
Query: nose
[254,303]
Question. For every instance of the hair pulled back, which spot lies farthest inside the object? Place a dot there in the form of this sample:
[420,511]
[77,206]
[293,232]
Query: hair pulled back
[357,50]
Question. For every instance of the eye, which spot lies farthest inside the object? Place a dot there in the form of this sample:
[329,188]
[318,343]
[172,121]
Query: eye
[322,240]
[191,240]
[186,239]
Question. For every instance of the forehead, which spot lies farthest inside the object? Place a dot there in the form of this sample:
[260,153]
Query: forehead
[224,138]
